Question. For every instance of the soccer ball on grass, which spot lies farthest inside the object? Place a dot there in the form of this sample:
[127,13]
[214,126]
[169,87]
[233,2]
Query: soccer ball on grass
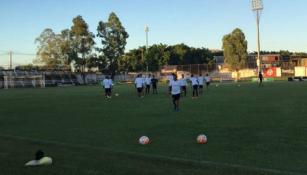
[144,140]
[201,139]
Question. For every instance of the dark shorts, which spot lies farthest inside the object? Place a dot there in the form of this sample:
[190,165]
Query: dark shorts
[176,96]
[260,79]
[107,90]
[170,88]
[139,90]
[201,86]
[195,87]
[154,86]
[148,86]
[208,83]
[184,88]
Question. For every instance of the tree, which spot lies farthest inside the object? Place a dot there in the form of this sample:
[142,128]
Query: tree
[235,49]
[133,60]
[157,56]
[113,39]
[49,49]
[179,54]
[81,42]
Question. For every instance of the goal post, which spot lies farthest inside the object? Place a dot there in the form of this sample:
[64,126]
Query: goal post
[13,81]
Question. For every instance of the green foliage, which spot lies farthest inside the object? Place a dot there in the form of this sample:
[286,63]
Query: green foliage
[235,49]
[49,51]
[159,55]
[82,42]
[113,39]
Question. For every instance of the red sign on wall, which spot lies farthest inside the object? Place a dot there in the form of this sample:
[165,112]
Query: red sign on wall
[270,72]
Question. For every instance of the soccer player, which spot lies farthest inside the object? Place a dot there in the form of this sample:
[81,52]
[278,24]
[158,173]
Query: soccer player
[107,85]
[170,78]
[139,82]
[154,83]
[208,80]
[194,83]
[183,84]
[200,80]
[175,92]
[260,76]
[148,83]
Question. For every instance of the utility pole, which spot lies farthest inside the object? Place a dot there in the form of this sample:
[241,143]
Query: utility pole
[257,7]
[11,59]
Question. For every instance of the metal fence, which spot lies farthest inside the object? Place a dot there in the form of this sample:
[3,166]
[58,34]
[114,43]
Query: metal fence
[15,78]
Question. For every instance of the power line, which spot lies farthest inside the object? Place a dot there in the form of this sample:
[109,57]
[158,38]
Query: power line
[16,53]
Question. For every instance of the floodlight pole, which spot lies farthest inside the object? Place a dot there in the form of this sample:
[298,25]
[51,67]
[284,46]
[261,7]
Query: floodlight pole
[146,32]
[258,42]
[257,6]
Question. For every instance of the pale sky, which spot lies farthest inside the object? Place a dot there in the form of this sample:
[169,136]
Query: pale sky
[198,23]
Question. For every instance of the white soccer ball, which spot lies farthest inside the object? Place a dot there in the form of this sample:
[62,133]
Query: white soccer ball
[144,140]
[116,94]
[202,139]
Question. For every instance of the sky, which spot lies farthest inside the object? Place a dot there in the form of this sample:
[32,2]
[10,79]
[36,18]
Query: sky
[197,23]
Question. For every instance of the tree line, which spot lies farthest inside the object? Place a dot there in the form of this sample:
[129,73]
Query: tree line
[76,46]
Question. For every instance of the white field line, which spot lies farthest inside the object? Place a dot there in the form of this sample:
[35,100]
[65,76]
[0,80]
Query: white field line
[161,157]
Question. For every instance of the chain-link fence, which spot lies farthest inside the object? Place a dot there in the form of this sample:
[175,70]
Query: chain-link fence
[220,72]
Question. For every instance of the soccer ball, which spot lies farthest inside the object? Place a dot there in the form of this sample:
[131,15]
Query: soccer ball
[201,139]
[216,85]
[116,94]
[144,140]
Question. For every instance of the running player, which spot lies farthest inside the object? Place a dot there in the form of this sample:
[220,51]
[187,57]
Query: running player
[139,82]
[175,92]
[107,85]
[148,83]
[200,80]
[183,84]
[154,83]
[194,83]
[208,80]
[260,76]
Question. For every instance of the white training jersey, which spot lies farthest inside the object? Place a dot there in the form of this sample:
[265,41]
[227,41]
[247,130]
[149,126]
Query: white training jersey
[139,82]
[107,83]
[208,79]
[175,87]
[200,80]
[170,78]
[194,81]
[183,82]
[148,81]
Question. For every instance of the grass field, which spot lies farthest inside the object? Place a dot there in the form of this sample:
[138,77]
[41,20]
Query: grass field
[250,130]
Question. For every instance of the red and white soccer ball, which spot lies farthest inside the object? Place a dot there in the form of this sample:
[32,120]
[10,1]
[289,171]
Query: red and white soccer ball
[144,140]
[201,139]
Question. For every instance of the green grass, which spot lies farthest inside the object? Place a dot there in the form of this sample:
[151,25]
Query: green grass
[250,130]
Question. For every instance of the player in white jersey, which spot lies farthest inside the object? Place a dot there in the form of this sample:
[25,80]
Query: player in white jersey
[139,82]
[107,85]
[176,92]
[208,80]
[148,83]
[170,78]
[194,83]
[200,80]
[183,84]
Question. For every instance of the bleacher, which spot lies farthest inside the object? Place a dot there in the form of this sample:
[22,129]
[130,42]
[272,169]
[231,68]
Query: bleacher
[34,78]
